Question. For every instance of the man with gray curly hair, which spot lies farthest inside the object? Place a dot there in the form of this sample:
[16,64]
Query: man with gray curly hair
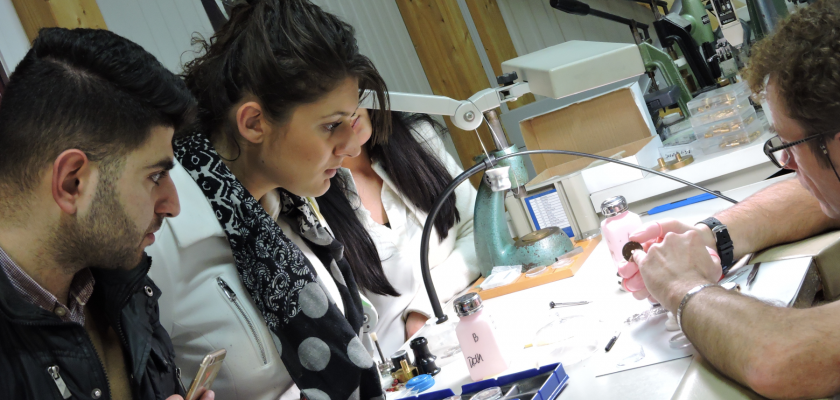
[778,352]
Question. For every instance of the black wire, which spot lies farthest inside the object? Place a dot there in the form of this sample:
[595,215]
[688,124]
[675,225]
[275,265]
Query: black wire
[427,230]
[626,164]
[427,227]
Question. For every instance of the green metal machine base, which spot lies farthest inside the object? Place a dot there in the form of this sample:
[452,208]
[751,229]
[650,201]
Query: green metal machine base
[657,59]
[493,244]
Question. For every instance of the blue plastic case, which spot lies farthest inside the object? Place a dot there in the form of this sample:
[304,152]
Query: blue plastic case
[551,378]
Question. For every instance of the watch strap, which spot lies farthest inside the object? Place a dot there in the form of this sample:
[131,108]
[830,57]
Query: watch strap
[723,242]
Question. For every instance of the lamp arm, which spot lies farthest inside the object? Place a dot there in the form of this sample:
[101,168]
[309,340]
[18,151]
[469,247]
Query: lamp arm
[415,103]
[487,163]
[465,114]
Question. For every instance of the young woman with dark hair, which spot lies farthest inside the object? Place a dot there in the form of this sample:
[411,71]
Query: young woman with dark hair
[248,266]
[377,206]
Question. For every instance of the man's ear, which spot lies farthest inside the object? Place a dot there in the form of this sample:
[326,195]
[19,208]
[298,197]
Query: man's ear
[250,120]
[71,179]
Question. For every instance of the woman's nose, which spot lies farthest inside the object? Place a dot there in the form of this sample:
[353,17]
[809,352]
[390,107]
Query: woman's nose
[349,144]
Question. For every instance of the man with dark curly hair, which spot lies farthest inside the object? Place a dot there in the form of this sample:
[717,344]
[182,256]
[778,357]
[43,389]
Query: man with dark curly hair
[778,352]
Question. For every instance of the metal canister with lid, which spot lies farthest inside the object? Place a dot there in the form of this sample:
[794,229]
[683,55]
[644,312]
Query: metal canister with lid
[468,304]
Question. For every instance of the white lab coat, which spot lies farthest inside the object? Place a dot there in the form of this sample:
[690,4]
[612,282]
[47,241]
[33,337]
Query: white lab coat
[453,261]
[190,253]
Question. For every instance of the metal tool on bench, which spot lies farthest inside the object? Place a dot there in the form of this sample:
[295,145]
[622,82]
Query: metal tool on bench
[567,304]
[753,274]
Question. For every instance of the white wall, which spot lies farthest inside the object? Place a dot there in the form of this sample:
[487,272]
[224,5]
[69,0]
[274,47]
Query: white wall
[163,27]
[534,25]
[13,41]
[383,37]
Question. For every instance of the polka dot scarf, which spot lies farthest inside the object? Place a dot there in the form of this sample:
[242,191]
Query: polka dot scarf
[319,346]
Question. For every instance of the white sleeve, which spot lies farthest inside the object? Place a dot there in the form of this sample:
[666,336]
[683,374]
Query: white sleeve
[460,269]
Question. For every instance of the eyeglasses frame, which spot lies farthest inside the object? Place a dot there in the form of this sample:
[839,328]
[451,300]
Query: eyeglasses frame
[768,150]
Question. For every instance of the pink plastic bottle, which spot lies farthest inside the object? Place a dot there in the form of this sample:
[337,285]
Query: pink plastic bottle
[476,335]
[618,226]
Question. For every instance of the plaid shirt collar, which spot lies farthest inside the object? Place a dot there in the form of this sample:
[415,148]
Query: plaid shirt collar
[81,288]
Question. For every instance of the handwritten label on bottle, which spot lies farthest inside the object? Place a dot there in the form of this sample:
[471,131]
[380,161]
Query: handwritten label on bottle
[475,360]
[475,338]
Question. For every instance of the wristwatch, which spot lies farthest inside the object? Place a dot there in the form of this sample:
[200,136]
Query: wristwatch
[723,242]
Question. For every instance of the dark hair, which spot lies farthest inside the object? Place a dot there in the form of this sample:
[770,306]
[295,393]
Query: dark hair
[83,89]
[283,52]
[802,58]
[418,174]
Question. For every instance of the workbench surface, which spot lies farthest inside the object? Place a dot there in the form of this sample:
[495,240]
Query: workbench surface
[519,315]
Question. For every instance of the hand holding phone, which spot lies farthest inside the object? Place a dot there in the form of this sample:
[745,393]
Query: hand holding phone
[208,395]
[207,372]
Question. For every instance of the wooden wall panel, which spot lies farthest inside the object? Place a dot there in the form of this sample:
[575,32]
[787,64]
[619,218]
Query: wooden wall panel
[34,15]
[77,14]
[450,61]
[37,14]
[495,39]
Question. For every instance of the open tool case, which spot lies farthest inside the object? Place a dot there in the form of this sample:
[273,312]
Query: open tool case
[547,381]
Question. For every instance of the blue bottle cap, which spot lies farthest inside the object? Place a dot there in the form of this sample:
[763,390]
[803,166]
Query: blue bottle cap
[420,383]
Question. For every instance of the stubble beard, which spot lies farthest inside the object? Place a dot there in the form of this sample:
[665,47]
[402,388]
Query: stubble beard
[105,238]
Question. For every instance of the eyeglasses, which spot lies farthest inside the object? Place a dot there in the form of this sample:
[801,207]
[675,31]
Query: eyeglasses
[779,151]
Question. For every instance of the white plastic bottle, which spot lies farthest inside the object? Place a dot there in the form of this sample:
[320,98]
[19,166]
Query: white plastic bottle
[618,226]
[476,334]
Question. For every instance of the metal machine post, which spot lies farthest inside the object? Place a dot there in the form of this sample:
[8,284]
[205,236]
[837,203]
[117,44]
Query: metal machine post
[499,137]
[765,15]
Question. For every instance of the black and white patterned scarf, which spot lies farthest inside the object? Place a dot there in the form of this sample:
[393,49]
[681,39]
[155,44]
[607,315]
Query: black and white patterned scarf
[319,346]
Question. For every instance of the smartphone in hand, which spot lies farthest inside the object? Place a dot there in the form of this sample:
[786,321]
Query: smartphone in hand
[207,372]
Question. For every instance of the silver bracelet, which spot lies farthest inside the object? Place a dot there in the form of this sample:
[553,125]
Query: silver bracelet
[697,289]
